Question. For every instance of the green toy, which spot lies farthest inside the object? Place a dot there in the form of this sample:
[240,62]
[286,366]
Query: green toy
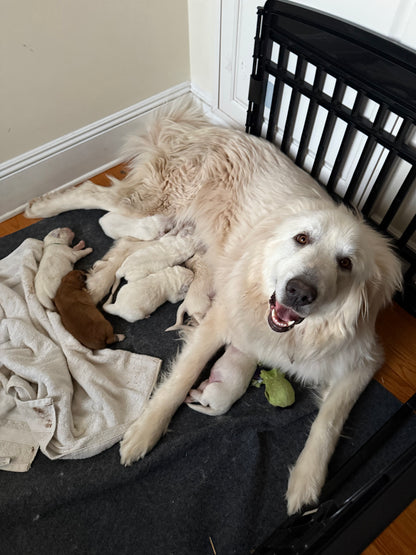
[278,390]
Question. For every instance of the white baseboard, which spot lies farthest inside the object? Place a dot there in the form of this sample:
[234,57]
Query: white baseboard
[75,157]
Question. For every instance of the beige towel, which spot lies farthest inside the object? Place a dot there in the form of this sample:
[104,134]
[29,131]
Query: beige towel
[55,394]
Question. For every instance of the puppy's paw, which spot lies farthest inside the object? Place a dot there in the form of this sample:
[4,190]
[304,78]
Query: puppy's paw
[194,396]
[304,486]
[99,283]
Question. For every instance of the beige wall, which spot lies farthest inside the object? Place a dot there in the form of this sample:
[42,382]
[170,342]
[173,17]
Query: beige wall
[204,40]
[67,63]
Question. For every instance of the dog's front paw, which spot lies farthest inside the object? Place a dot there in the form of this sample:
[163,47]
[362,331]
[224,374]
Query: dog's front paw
[133,446]
[305,484]
[140,438]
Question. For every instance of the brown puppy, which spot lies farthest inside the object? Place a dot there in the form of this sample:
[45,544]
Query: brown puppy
[80,316]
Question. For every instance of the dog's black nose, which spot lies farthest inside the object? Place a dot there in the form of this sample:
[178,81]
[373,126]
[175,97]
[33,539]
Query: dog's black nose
[300,293]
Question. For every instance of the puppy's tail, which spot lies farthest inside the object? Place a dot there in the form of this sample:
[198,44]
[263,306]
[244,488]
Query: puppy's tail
[178,325]
[115,338]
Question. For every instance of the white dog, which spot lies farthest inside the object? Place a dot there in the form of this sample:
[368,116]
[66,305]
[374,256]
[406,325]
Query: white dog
[138,299]
[228,381]
[57,260]
[298,280]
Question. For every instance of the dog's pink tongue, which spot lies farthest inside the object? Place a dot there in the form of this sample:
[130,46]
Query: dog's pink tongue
[285,314]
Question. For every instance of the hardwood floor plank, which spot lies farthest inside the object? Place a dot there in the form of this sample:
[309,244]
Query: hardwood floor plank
[14,224]
[398,538]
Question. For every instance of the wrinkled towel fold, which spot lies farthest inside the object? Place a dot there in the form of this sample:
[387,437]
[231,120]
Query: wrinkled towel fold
[55,394]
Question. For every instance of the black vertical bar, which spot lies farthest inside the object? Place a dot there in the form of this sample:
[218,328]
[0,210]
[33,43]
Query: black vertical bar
[310,116]
[277,93]
[345,143]
[293,105]
[367,152]
[328,128]
[399,198]
[388,164]
[407,233]
[262,50]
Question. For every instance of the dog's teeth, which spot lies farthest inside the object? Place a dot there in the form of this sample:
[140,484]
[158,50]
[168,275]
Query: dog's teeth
[279,322]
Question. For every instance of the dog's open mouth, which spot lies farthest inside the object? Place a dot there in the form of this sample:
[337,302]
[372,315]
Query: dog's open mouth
[281,318]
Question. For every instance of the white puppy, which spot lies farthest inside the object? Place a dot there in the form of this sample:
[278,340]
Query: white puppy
[116,226]
[200,293]
[138,299]
[228,381]
[153,256]
[102,275]
[57,260]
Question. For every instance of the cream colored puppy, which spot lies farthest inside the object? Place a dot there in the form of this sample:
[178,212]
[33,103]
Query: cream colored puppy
[228,381]
[57,260]
[103,273]
[151,257]
[138,299]
[200,293]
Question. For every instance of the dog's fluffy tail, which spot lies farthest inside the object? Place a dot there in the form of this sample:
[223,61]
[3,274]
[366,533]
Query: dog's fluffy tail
[170,121]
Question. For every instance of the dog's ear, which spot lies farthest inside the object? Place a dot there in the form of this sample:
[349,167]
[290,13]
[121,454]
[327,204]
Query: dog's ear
[368,296]
[354,308]
[385,274]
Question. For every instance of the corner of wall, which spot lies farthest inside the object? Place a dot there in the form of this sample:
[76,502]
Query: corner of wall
[76,157]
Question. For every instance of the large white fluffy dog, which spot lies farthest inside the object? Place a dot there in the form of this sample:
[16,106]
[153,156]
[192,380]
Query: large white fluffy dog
[298,280]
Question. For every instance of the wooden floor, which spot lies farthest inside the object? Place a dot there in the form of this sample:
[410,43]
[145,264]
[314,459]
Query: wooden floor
[397,330]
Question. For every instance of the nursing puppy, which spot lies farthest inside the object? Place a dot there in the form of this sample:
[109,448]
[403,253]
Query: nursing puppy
[152,256]
[102,275]
[298,280]
[139,298]
[57,260]
[228,381]
[126,259]
[80,316]
[199,296]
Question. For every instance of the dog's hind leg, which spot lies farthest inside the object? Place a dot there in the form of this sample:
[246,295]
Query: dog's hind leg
[145,432]
[87,196]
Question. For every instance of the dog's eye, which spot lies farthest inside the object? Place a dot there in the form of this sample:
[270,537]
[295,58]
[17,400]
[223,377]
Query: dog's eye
[302,239]
[345,263]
